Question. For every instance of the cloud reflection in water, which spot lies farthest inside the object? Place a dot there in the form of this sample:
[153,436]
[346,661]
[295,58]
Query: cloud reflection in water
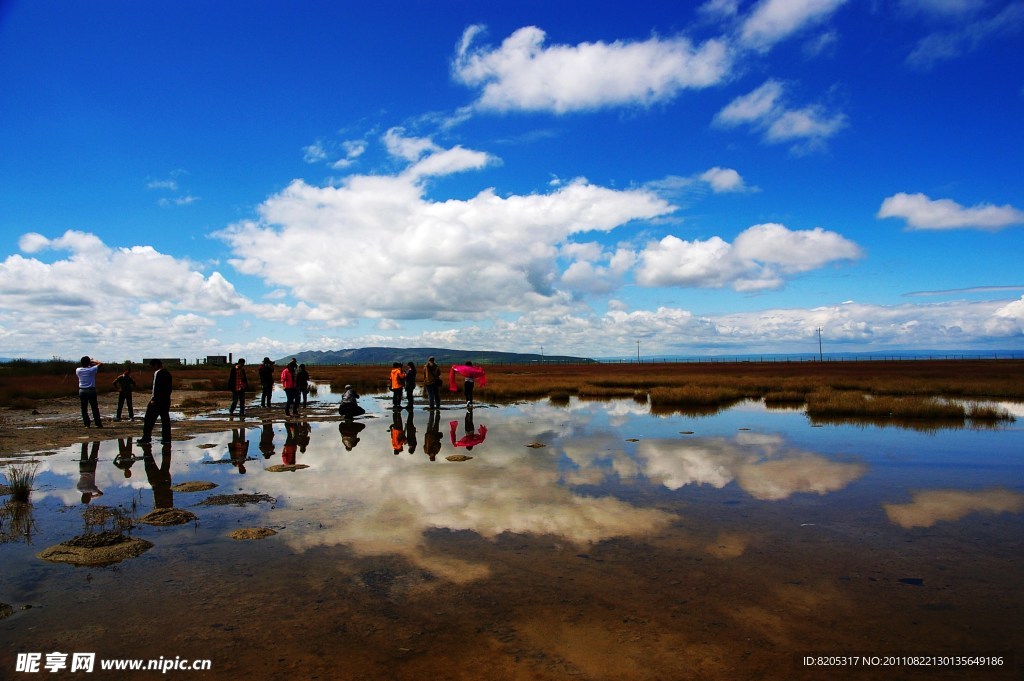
[929,507]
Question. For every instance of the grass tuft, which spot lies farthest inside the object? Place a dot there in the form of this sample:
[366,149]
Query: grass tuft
[20,480]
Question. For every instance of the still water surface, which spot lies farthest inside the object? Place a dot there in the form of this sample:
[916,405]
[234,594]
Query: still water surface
[592,540]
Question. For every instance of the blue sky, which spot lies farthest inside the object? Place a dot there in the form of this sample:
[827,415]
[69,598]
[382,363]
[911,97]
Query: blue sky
[187,178]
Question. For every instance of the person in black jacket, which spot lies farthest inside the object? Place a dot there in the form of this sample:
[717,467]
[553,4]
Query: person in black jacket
[159,405]
[238,383]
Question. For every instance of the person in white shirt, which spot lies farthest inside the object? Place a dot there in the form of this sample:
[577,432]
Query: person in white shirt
[86,373]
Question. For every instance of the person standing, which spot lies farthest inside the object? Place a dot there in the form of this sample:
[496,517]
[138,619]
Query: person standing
[266,381]
[238,383]
[467,386]
[409,379]
[159,405]
[125,385]
[397,382]
[86,373]
[471,374]
[302,383]
[432,383]
[291,391]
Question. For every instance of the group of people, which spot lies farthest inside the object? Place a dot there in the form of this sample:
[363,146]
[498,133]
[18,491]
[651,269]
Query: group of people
[403,381]
[294,379]
[159,476]
[403,436]
[159,405]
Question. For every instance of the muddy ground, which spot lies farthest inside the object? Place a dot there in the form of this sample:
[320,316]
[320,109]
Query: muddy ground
[58,423]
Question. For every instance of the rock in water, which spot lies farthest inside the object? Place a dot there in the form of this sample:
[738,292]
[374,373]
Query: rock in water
[168,516]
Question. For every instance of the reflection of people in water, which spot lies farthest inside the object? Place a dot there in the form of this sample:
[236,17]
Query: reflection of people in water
[302,431]
[238,449]
[87,472]
[125,457]
[472,437]
[432,440]
[349,407]
[410,432]
[267,440]
[350,433]
[397,433]
[160,478]
[290,446]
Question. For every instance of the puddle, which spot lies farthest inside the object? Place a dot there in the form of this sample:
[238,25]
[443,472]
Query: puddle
[573,539]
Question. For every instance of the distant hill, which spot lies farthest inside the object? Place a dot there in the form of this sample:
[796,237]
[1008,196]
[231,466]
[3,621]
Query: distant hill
[420,355]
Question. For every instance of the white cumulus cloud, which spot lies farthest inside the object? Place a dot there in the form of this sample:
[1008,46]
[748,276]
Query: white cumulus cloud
[376,246]
[107,301]
[759,258]
[526,74]
[765,109]
[922,212]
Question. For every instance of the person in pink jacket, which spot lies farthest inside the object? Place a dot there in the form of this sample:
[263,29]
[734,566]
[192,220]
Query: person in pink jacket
[291,388]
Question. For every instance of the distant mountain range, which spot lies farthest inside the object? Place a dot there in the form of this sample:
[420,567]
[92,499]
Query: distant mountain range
[420,355]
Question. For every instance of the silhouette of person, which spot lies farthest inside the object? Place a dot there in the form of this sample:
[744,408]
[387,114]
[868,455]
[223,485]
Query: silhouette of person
[302,431]
[87,471]
[302,383]
[410,433]
[472,437]
[467,387]
[238,449]
[86,373]
[125,457]
[125,385]
[350,433]
[159,405]
[432,439]
[432,383]
[397,433]
[290,446]
[267,440]
[238,384]
[160,476]
[266,373]
[409,379]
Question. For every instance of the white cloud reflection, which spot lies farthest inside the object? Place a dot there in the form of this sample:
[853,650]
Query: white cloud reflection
[759,464]
[928,507]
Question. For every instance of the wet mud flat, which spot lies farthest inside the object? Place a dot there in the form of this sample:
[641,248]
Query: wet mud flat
[736,579]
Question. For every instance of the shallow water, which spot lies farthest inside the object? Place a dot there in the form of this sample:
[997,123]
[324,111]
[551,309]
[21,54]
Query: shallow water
[628,546]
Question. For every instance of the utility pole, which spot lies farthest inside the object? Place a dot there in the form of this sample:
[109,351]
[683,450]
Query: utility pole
[820,357]
[637,350]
